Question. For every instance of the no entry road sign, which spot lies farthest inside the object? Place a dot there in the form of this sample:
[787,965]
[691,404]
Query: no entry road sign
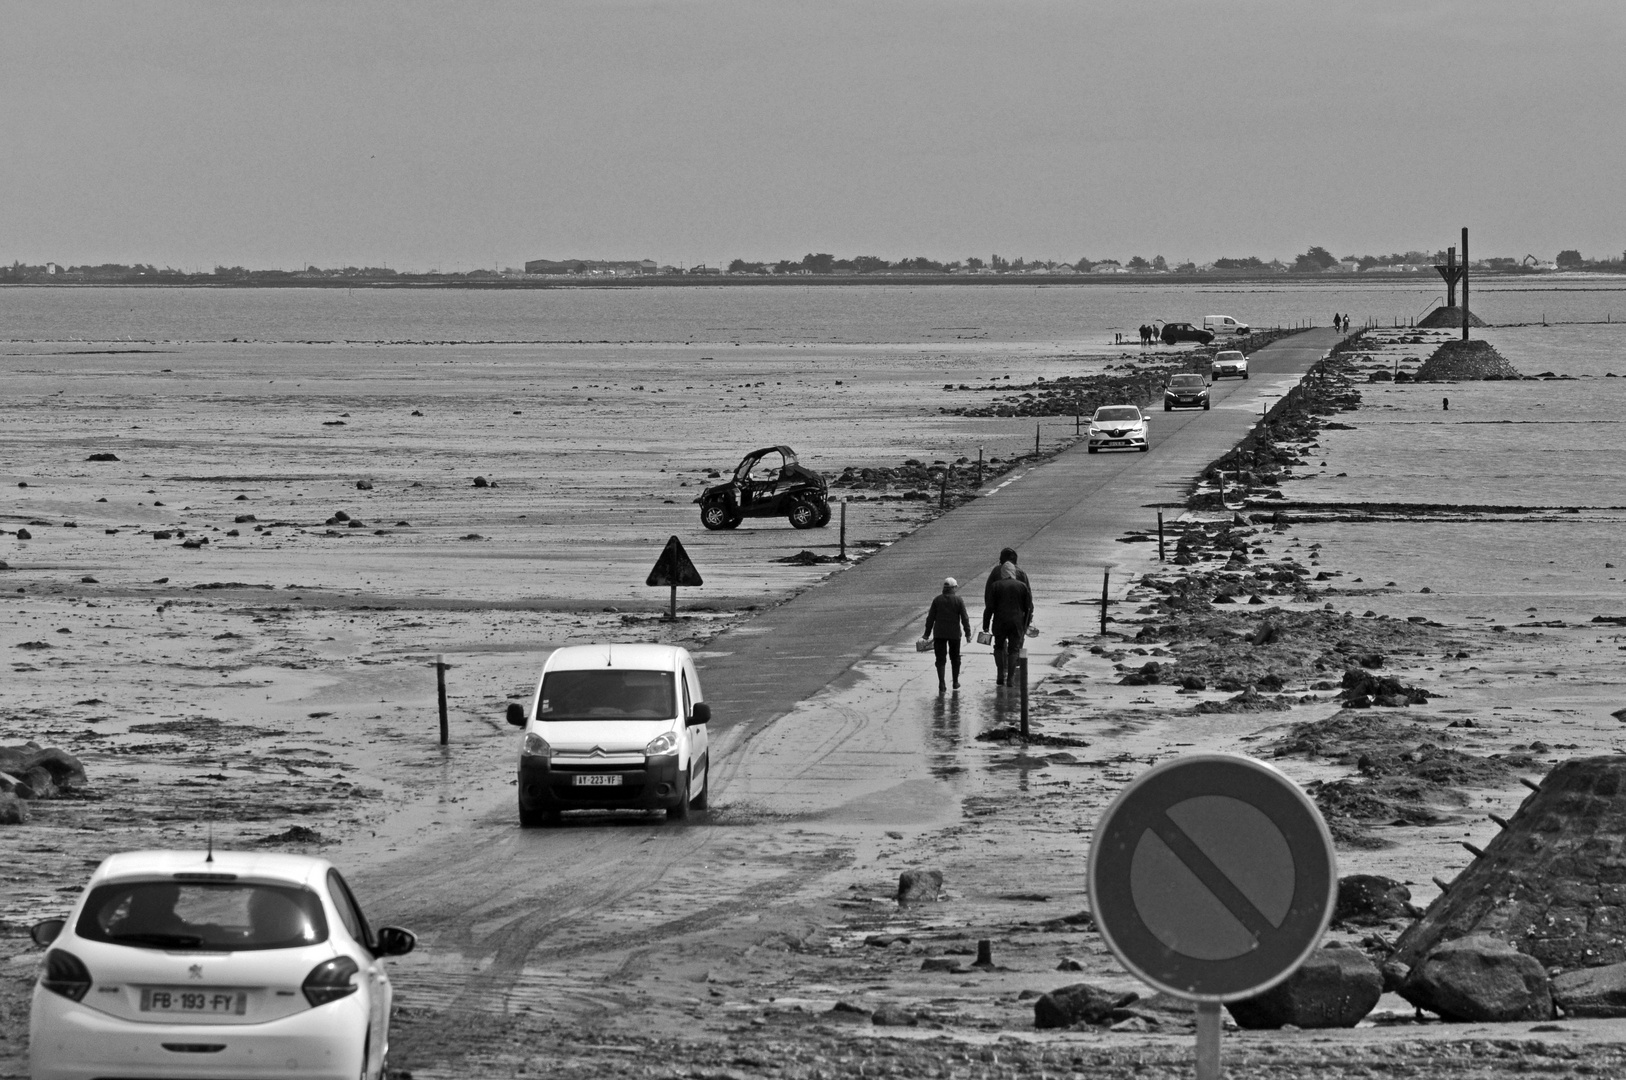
[1212,877]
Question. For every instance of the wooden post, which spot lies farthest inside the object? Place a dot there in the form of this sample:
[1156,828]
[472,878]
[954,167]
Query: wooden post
[1036,436]
[1208,1040]
[979,468]
[1160,555]
[1022,666]
[671,613]
[1465,283]
[1106,576]
[440,686]
[942,491]
[843,530]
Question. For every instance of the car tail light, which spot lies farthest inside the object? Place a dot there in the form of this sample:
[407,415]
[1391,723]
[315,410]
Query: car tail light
[330,981]
[65,974]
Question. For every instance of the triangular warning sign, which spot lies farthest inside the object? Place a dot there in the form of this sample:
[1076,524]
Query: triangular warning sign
[674,567]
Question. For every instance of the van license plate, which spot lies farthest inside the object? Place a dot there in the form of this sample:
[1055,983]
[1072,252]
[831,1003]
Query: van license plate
[183,1000]
[598,780]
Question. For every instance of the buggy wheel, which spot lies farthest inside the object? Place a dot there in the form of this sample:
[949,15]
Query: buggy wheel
[714,516]
[824,515]
[804,515]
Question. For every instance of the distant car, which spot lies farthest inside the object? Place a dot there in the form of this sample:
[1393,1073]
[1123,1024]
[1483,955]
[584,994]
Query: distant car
[1118,427]
[614,727]
[1176,332]
[768,483]
[1229,362]
[220,964]
[1224,324]
[1185,392]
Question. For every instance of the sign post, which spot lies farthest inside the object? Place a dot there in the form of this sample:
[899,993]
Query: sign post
[1212,877]
[673,568]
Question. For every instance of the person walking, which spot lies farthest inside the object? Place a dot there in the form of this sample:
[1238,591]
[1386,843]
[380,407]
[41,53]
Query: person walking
[1008,611]
[946,619]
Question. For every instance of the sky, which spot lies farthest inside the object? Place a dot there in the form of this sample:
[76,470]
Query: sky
[455,136]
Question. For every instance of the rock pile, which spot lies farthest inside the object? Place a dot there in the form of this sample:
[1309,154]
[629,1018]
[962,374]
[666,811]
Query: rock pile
[30,771]
[1449,318]
[1466,361]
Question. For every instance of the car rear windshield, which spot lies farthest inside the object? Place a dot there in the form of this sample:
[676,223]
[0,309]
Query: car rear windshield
[1192,381]
[608,694]
[1123,412]
[208,916]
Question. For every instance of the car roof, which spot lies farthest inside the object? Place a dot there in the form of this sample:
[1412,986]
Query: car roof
[626,657]
[259,865]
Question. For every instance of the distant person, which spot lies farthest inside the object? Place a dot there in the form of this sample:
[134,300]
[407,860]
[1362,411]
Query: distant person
[1337,321]
[1008,613]
[1445,404]
[946,619]
[1006,555]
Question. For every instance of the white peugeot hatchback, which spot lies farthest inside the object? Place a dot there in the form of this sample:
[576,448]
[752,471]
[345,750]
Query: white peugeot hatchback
[614,727]
[180,964]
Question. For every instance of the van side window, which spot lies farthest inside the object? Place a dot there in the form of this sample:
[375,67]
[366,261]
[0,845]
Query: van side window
[687,707]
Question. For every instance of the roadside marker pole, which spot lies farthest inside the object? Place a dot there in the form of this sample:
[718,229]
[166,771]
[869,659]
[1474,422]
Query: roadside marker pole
[671,613]
[979,468]
[440,686]
[843,531]
[1160,556]
[1036,440]
[1022,665]
[1106,576]
[942,491]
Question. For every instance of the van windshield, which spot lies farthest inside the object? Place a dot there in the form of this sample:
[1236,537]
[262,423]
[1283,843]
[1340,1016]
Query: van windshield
[208,916]
[608,694]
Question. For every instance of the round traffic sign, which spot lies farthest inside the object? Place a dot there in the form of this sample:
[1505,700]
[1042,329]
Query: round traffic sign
[1212,877]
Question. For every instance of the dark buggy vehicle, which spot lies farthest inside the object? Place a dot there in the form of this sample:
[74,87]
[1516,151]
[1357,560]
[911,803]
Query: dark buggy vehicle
[768,483]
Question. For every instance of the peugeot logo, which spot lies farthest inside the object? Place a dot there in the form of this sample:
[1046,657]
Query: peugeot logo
[195,971]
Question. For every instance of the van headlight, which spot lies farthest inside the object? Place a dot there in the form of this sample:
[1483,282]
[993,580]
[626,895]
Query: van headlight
[536,746]
[662,744]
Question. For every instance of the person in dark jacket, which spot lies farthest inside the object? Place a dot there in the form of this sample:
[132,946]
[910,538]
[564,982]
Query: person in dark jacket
[945,621]
[1009,611]
[1006,555]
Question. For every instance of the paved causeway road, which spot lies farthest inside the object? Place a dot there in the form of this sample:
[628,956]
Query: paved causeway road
[1062,516]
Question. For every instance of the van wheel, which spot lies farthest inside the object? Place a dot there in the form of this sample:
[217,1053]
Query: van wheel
[703,800]
[680,812]
[535,817]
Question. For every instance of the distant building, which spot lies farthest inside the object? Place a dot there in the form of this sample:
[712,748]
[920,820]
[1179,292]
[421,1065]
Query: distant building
[1108,266]
[590,266]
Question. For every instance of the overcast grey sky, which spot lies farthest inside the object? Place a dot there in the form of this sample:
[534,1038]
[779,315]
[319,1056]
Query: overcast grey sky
[457,135]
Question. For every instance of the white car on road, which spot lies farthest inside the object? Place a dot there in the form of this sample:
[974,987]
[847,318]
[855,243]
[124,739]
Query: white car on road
[1119,427]
[1229,362]
[614,727]
[178,964]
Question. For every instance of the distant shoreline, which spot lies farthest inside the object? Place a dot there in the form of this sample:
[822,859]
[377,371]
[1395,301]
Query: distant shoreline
[1342,281]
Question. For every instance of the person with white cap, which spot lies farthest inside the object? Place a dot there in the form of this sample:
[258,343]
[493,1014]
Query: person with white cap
[946,620]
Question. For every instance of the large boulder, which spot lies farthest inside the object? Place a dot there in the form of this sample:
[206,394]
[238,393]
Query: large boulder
[1333,988]
[919,886]
[1599,991]
[1079,1003]
[36,772]
[12,810]
[1479,979]
[1371,900]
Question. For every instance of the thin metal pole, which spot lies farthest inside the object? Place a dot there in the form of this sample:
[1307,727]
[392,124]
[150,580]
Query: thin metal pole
[440,686]
[672,612]
[1465,283]
[1160,555]
[1208,1041]
[843,530]
[1106,576]
[1035,440]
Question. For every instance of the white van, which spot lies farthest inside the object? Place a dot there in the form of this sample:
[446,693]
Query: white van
[1224,324]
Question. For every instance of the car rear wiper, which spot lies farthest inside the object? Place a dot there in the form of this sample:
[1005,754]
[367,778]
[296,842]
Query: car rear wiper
[184,941]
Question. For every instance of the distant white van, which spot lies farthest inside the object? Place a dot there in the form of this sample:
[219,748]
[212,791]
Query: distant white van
[1224,324]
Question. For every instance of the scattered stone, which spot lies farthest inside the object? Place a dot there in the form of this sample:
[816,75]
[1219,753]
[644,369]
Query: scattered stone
[40,772]
[243,519]
[294,834]
[1480,979]
[847,1008]
[943,963]
[1332,988]
[162,534]
[364,485]
[919,886]
[881,941]
[1079,1003]
[807,558]
[12,810]
[24,534]
[890,1015]
[1069,964]
[102,457]
[241,498]
[1592,992]
[480,482]
[1371,900]
[31,645]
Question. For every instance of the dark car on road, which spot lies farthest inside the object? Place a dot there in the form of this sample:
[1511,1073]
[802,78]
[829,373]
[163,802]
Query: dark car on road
[768,483]
[1175,332]
[1185,392]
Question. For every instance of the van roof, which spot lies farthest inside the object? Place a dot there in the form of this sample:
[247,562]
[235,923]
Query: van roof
[612,655]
